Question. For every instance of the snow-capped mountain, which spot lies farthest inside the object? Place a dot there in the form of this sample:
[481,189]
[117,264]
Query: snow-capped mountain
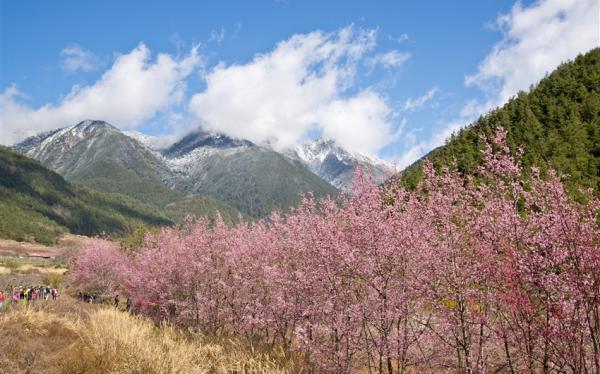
[253,179]
[72,150]
[337,165]
[195,151]
[64,138]
[100,155]
[199,163]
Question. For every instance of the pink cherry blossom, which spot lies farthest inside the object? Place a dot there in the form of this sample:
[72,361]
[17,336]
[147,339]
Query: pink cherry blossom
[494,272]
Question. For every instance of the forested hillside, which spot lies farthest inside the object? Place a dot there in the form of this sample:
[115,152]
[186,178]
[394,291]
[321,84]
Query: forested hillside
[37,204]
[556,123]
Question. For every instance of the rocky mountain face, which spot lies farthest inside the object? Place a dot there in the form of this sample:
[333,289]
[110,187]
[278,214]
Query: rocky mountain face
[337,165]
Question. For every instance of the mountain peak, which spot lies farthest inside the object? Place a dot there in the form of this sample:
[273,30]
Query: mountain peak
[90,124]
[336,165]
[202,139]
[80,130]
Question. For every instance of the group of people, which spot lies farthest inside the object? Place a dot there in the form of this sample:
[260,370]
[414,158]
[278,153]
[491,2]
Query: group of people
[86,298]
[93,299]
[29,294]
[128,304]
[46,293]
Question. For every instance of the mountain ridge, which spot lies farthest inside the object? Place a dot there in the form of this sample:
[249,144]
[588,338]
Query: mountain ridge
[236,172]
[252,178]
[323,157]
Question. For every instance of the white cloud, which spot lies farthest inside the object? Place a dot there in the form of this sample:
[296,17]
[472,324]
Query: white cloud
[388,59]
[217,36]
[358,123]
[74,58]
[302,85]
[134,89]
[419,102]
[399,39]
[536,39]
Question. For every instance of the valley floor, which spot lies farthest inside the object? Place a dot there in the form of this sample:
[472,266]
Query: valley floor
[24,265]
[66,245]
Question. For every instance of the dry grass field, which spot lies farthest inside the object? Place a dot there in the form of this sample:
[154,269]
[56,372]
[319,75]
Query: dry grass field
[67,336]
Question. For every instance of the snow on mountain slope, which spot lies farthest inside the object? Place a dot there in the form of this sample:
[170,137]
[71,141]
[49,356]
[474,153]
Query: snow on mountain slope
[337,165]
[198,157]
[194,150]
[71,149]
[149,141]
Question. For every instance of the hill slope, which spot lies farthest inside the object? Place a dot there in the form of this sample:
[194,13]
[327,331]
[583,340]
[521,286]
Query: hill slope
[557,122]
[37,204]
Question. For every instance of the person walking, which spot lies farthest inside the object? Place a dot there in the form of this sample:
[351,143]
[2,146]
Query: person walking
[2,299]
[16,296]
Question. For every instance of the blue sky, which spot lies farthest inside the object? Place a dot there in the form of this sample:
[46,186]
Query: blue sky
[386,77]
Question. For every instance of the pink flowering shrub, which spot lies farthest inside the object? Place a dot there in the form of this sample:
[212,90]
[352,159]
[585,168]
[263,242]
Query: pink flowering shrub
[471,274]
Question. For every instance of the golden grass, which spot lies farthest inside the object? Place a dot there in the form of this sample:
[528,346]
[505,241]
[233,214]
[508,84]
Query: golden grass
[68,337]
[32,269]
[28,268]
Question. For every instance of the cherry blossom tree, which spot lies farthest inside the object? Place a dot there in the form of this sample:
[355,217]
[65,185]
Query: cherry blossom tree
[493,272]
[99,268]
